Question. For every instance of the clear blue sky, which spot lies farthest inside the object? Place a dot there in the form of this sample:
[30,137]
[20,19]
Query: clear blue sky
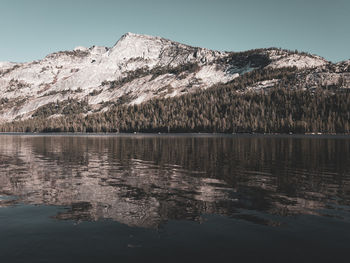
[30,29]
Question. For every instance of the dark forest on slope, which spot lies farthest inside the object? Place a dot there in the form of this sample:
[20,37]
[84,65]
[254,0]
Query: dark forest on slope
[226,108]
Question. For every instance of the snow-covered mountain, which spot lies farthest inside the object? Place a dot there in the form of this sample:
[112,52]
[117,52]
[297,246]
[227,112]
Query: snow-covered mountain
[136,69]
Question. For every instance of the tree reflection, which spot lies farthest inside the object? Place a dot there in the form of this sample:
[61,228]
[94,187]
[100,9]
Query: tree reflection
[147,180]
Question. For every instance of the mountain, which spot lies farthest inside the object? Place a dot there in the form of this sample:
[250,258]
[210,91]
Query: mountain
[139,69]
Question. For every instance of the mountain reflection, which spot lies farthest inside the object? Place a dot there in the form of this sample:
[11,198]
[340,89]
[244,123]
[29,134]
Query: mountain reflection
[145,181]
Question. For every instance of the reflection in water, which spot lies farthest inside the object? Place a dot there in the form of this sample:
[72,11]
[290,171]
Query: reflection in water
[147,180]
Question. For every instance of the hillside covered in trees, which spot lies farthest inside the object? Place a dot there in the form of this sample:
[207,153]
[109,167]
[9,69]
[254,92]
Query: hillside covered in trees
[226,108]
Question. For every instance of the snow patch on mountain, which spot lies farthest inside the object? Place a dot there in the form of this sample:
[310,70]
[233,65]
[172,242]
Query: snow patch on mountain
[297,60]
[6,65]
[80,48]
[262,85]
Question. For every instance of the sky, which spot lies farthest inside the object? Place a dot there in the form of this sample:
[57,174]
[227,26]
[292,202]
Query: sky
[31,29]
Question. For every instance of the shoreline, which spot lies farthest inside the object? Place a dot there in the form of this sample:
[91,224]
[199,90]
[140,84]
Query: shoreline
[140,134]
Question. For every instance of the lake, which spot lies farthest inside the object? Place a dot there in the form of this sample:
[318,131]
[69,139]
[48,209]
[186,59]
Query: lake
[174,198]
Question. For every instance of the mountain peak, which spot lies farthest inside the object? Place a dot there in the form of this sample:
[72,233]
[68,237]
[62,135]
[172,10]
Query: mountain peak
[134,36]
[130,34]
[132,45]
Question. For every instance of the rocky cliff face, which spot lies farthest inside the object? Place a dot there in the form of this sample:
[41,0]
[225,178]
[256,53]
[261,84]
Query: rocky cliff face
[136,69]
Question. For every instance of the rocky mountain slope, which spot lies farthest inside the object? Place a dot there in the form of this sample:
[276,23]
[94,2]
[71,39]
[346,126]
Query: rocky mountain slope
[139,68]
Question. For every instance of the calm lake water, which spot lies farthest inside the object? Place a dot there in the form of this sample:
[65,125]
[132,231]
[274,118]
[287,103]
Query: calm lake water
[180,198]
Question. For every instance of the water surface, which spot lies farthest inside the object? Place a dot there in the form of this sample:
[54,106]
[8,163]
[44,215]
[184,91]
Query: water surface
[174,198]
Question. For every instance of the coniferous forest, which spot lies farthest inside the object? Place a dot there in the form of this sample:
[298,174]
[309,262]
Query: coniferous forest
[226,108]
